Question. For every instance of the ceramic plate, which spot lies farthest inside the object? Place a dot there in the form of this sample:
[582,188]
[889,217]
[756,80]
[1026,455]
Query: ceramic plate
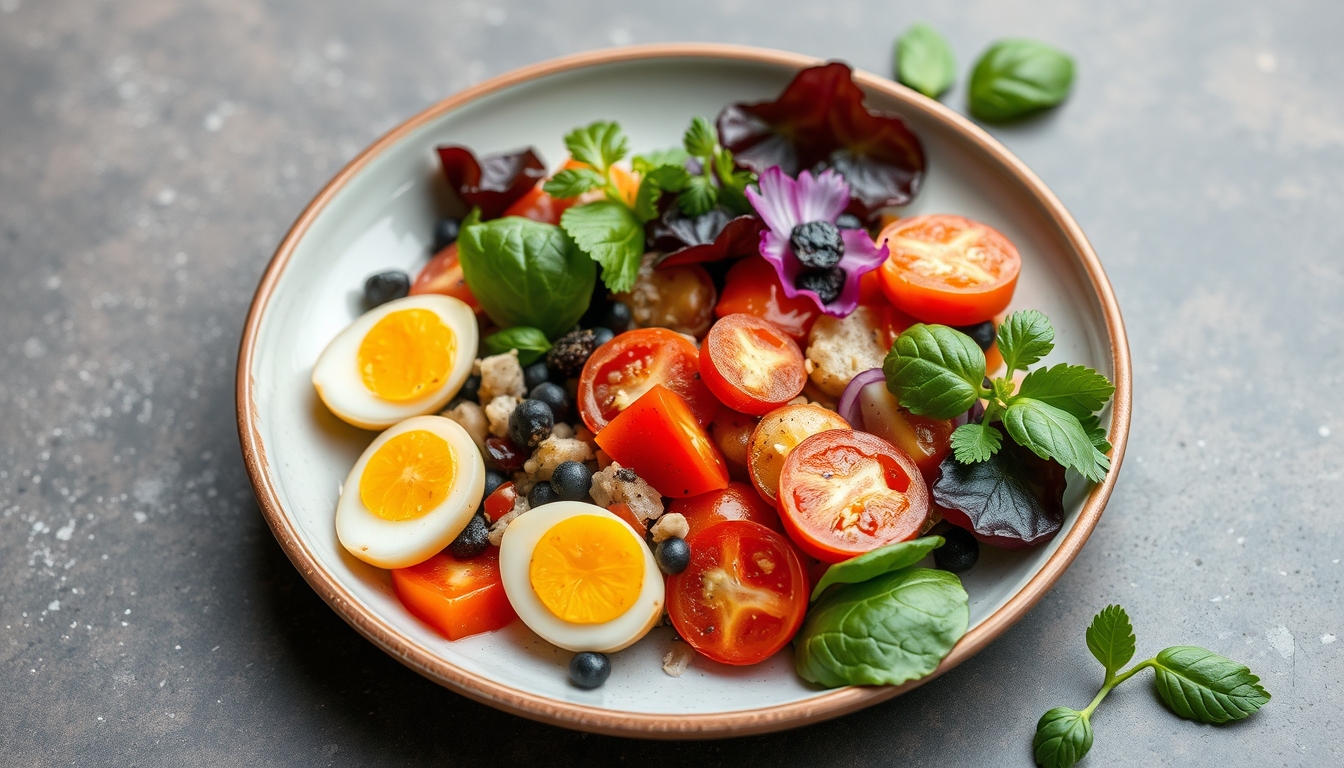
[378,213]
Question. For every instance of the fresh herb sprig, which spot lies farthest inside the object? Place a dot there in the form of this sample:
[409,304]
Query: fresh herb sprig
[939,372]
[1193,683]
[719,181]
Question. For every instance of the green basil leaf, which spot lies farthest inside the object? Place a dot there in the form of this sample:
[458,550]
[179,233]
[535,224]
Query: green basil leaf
[1017,77]
[1063,737]
[598,145]
[1054,434]
[884,631]
[1095,432]
[524,272]
[972,443]
[1024,338]
[610,233]
[700,138]
[699,197]
[935,371]
[869,565]
[658,158]
[1200,685]
[924,61]
[1074,388]
[572,182]
[531,343]
[1110,638]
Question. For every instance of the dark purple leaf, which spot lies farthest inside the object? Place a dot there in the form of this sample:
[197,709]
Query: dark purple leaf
[1013,500]
[714,236]
[494,182]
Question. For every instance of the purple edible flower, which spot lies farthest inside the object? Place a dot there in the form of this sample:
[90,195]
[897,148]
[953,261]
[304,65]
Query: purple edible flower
[804,213]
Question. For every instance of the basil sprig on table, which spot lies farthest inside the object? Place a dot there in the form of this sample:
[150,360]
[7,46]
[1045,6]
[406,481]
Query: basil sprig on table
[1194,683]
[939,372]
[1017,77]
[924,61]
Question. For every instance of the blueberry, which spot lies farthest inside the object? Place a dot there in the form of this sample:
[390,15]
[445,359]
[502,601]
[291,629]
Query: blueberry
[473,540]
[541,493]
[673,555]
[826,283]
[617,317]
[817,244]
[471,389]
[386,286]
[572,481]
[445,233]
[601,335]
[530,423]
[848,221]
[959,553]
[555,396]
[535,374]
[982,333]
[589,670]
[493,480]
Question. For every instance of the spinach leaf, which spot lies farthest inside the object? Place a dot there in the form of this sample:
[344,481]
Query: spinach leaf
[1110,638]
[1017,77]
[885,631]
[612,235]
[935,371]
[869,565]
[924,61]
[526,273]
[1011,499]
[531,343]
[1063,737]
[1200,685]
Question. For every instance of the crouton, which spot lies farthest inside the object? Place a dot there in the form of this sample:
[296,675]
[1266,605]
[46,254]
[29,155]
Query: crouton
[616,484]
[669,526]
[841,348]
[552,453]
[497,412]
[502,375]
[470,416]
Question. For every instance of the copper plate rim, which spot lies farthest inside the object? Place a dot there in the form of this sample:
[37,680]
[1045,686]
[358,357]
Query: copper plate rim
[643,725]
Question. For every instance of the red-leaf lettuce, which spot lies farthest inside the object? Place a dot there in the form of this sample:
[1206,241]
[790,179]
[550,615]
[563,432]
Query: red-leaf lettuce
[495,181]
[1012,500]
[714,236]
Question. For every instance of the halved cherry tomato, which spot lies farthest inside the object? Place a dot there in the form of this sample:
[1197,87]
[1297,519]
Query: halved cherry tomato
[751,365]
[500,502]
[539,206]
[732,433]
[843,493]
[443,274]
[924,439]
[752,286]
[658,437]
[619,372]
[743,596]
[457,598]
[739,501]
[777,434]
[948,269]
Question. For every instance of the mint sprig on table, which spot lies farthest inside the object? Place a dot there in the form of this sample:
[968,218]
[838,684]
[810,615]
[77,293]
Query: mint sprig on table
[1193,683]
[939,372]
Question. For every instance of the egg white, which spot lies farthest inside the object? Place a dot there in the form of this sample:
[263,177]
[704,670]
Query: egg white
[515,560]
[402,543]
[338,381]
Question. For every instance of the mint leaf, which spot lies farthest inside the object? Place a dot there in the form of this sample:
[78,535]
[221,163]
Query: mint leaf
[1016,77]
[611,234]
[1110,638]
[1074,388]
[870,565]
[658,158]
[664,178]
[972,443]
[598,145]
[1024,338]
[1054,434]
[1200,685]
[700,138]
[934,371]
[1095,432]
[531,343]
[1063,737]
[924,61]
[699,197]
[572,182]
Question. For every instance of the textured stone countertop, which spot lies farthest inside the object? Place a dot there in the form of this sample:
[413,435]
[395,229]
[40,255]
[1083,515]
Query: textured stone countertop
[153,152]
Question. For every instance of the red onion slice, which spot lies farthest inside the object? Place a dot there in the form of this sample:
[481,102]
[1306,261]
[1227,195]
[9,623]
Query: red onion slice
[848,407]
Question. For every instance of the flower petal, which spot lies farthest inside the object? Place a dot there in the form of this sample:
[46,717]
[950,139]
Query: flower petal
[777,201]
[821,198]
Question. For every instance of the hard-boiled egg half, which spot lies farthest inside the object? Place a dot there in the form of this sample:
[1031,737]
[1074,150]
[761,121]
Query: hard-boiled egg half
[411,493]
[405,358]
[580,577]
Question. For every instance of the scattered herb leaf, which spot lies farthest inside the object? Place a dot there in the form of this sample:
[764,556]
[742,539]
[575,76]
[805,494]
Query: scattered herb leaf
[599,145]
[1052,433]
[1110,638]
[1024,338]
[1017,77]
[924,61]
[1063,737]
[1074,388]
[572,182]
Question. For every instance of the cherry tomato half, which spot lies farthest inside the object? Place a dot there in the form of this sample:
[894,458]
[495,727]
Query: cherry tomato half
[751,365]
[539,206]
[739,501]
[777,434]
[658,437]
[843,493]
[743,596]
[443,274]
[457,598]
[619,372]
[948,269]
[752,286]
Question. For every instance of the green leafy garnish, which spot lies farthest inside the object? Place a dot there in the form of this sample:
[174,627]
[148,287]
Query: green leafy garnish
[935,371]
[612,235]
[719,181]
[1024,338]
[1017,77]
[924,61]
[531,343]
[673,156]
[600,145]
[573,182]
[1194,683]
[870,565]
[976,442]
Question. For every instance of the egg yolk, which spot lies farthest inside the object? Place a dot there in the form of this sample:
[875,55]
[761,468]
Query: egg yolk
[408,476]
[587,569]
[406,355]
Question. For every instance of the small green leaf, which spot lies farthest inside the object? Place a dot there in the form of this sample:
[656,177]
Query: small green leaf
[1200,685]
[1054,434]
[1111,638]
[531,343]
[924,61]
[870,565]
[610,233]
[1063,737]
[572,182]
[699,197]
[1024,338]
[1017,77]
[935,371]
[1095,432]
[972,443]
[658,158]
[664,178]
[599,145]
[1074,388]
[700,138]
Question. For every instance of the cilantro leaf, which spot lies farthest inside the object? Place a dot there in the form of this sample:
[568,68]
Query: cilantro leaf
[699,197]
[664,178]
[935,371]
[700,138]
[658,158]
[1074,388]
[572,182]
[1063,737]
[1024,338]
[1052,433]
[598,145]
[610,233]
[1095,432]
[974,443]
[1110,638]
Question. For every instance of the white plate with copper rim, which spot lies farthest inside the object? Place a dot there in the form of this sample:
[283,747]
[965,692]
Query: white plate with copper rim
[378,213]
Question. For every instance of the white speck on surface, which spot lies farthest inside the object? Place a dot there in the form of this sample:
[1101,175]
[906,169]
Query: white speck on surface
[1281,640]
[166,196]
[1241,540]
[140,517]
[54,605]
[677,660]
[66,531]
[1266,62]
[1328,638]
[53,282]
[163,683]
[1200,443]
[1323,431]
[620,36]
[33,347]
[127,612]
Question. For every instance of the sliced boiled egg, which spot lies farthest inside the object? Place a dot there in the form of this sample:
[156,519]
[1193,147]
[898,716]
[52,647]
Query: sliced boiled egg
[411,493]
[405,358]
[580,577]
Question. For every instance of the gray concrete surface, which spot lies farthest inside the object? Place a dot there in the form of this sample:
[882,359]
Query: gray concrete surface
[153,152]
